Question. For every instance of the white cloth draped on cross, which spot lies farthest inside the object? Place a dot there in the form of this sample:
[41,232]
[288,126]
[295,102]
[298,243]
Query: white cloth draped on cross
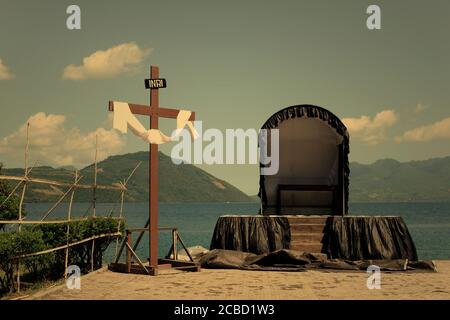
[123,119]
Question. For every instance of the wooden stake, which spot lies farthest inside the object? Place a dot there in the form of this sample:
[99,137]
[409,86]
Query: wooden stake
[21,201]
[120,250]
[185,249]
[128,244]
[174,244]
[94,199]
[122,198]
[21,204]
[122,194]
[130,250]
[92,255]
[69,216]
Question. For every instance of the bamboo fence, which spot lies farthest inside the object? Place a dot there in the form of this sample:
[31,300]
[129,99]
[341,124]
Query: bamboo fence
[24,180]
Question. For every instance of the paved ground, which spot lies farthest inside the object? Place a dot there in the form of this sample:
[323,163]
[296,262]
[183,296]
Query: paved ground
[237,284]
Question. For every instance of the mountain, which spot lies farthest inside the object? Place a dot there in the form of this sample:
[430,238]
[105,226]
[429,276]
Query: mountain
[384,180]
[177,183]
[391,180]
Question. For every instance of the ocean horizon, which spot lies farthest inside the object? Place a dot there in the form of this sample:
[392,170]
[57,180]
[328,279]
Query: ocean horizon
[428,222]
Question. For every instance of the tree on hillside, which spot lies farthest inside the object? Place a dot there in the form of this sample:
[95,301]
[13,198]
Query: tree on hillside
[9,210]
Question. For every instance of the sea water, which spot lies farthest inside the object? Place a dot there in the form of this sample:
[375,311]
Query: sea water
[428,223]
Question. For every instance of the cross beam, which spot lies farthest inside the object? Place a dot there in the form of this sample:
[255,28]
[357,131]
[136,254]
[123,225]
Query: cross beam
[146,111]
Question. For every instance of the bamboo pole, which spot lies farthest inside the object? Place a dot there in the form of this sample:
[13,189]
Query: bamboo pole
[69,245]
[69,215]
[59,183]
[51,221]
[61,198]
[25,175]
[94,199]
[122,197]
[11,193]
[16,187]
[26,149]
[92,255]
[120,217]
[72,187]
[131,174]
[21,200]
[21,204]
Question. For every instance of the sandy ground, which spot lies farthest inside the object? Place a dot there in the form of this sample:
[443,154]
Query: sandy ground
[236,284]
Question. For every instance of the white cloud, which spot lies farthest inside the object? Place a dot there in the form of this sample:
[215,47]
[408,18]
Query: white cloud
[123,58]
[437,130]
[5,74]
[52,143]
[368,130]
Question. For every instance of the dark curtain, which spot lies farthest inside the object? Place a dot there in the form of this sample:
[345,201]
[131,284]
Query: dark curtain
[255,234]
[357,238]
[311,112]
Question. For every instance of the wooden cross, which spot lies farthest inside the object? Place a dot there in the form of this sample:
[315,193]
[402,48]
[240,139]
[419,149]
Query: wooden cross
[154,111]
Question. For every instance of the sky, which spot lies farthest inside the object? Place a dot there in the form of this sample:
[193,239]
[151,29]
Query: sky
[234,63]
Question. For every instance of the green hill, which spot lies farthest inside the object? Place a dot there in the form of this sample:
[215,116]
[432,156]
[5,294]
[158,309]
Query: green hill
[177,183]
[391,180]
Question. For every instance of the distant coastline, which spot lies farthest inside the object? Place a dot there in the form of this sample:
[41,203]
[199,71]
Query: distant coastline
[384,181]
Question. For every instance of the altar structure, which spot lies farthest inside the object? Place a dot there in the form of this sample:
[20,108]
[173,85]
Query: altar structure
[304,206]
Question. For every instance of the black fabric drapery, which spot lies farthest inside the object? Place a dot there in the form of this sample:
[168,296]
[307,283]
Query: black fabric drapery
[256,234]
[290,260]
[357,238]
[310,111]
[350,238]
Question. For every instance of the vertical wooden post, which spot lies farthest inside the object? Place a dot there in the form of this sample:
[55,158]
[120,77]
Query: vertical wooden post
[153,175]
[122,194]
[21,200]
[174,244]
[94,200]
[69,216]
[128,251]
[342,175]
[25,176]
[92,254]
[94,190]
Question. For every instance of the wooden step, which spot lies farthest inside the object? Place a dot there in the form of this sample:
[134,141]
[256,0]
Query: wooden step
[313,247]
[306,237]
[307,227]
[307,233]
[307,219]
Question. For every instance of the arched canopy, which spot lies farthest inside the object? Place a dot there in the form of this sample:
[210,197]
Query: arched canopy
[313,175]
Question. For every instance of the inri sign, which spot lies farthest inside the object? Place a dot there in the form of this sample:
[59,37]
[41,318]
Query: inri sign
[155,83]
